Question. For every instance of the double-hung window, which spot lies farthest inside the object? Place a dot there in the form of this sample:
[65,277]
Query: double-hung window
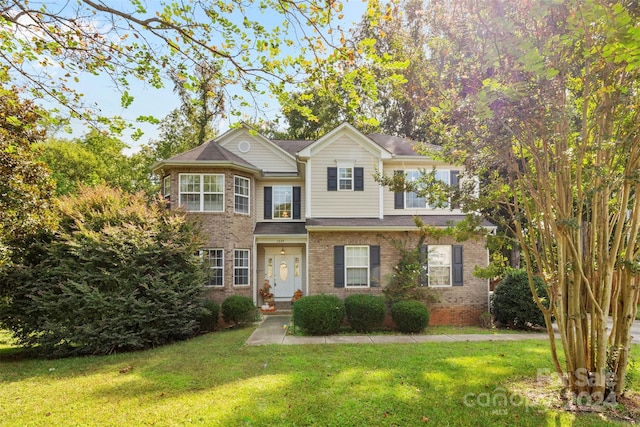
[439,265]
[241,194]
[202,192]
[166,187]
[356,266]
[345,178]
[241,267]
[213,260]
[282,201]
[412,200]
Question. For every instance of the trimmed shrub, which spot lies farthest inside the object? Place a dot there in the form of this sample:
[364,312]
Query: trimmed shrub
[239,310]
[410,316]
[513,303]
[210,315]
[365,312]
[319,314]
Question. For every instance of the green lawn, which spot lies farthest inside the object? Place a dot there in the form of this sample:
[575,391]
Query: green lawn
[216,380]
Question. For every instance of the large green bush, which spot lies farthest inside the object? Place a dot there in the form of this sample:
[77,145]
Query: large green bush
[118,275]
[208,320]
[513,303]
[239,309]
[365,312]
[319,314]
[410,316]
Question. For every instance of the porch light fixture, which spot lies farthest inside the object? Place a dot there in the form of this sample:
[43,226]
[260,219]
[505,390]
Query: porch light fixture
[282,251]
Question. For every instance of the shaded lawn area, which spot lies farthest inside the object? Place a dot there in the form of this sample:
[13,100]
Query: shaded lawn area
[216,380]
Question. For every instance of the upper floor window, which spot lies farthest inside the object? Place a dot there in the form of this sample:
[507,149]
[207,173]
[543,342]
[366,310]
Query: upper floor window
[345,178]
[166,187]
[412,200]
[202,192]
[282,201]
[241,194]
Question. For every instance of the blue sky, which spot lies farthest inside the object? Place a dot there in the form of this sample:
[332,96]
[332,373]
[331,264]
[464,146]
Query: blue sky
[101,91]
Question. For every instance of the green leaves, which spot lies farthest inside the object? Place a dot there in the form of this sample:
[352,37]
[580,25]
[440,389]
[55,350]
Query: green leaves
[118,275]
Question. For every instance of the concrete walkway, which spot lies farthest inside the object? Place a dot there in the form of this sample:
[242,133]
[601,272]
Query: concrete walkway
[273,330]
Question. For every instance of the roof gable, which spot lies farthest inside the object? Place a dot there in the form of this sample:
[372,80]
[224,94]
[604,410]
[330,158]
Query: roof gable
[345,129]
[258,150]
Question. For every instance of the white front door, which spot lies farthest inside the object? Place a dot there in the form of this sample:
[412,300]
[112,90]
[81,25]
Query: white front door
[283,272]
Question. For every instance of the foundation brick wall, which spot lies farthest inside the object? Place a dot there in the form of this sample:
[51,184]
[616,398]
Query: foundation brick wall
[458,305]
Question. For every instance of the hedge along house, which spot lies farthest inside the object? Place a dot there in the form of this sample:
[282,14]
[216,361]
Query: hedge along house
[309,215]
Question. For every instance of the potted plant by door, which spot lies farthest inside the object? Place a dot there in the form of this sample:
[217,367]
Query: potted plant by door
[267,296]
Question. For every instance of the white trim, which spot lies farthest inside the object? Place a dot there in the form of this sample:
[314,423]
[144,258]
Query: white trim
[366,142]
[201,251]
[244,285]
[351,180]
[380,192]
[450,265]
[273,203]
[368,267]
[248,196]
[201,193]
[307,189]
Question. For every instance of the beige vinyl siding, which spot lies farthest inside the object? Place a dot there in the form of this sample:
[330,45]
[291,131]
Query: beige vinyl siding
[259,205]
[388,195]
[327,204]
[261,153]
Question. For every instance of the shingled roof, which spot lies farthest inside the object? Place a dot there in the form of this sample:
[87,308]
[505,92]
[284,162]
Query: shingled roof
[397,145]
[211,152]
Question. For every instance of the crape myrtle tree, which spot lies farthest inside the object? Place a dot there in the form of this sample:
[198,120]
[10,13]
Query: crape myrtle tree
[118,274]
[541,98]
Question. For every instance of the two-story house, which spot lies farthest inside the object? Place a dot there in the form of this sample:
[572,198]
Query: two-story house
[309,215]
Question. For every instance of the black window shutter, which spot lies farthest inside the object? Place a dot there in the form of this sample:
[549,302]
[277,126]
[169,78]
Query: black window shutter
[296,202]
[267,203]
[424,260]
[374,266]
[398,199]
[358,179]
[338,266]
[457,265]
[332,179]
[453,181]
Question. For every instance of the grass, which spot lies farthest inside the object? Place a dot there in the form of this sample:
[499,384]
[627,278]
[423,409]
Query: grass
[215,380]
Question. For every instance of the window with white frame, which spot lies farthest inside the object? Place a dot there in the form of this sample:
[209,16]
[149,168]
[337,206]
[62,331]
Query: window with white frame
[345,178]
[202,192]
[213,260]
[241,194]
[166,187]
[356,264]
[439,265]
[282,201]
[241,267]
[412,200]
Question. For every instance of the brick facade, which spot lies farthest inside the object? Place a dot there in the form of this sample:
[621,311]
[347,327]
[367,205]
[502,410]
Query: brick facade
[224,230]
[458,305]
